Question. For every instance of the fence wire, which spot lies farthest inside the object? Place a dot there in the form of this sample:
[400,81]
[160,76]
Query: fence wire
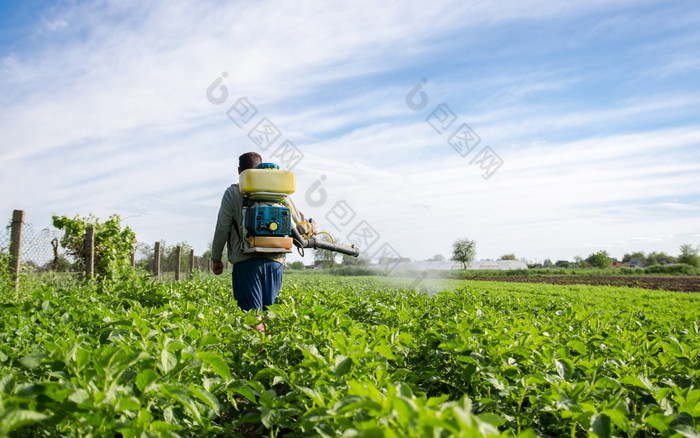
[145,258]
[5,240]
[40,249]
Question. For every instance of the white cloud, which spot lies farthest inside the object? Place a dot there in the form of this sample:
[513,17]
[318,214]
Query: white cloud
[56,24]
[111,116]
[651,239]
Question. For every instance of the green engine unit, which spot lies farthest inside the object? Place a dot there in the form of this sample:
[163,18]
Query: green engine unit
[268,220]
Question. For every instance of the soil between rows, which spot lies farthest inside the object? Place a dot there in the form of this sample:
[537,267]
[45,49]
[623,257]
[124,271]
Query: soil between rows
[670,283]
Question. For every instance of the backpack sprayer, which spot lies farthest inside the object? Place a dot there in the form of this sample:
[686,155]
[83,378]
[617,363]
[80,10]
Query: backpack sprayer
[270,224]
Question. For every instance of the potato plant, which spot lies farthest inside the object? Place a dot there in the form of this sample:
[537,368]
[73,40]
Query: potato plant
[348,357]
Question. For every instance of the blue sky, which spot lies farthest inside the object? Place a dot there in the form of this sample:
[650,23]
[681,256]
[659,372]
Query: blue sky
[586,114]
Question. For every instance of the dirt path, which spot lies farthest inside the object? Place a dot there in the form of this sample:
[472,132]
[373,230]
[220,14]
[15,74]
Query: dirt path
[673,283]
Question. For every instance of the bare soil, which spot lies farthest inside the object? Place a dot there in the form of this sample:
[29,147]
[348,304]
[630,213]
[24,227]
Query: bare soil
[671,283]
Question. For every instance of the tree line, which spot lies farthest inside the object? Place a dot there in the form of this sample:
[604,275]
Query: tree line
[464,251]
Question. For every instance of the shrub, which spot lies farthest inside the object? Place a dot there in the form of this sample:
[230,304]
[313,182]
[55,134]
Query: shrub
[679,269]
[113,245]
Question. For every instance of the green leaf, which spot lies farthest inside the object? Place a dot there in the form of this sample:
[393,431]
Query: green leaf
[353,402]
[145,417]
[316,415]
[268,372]
[492,419]
[82,357]
[342,365]
[658,422]
[406,408]
[577,346]
[127,403]
[173,415]
[607,382]
[162,426]
[206,397]
[313,393]
[618,418]
[269,416]
[79,396]
[693,395]
[188,404]
[14,419]
[600,425]
[245,392]
[368,432]
[168,361]
[28,390]
[687,431]
[638,381]
[33,359]
[217,364]
[256,386]
[565,368]
[385,351]
[145,378]
[7,383]
[176,345]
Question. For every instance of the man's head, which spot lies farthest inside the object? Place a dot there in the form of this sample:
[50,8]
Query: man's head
[248,161]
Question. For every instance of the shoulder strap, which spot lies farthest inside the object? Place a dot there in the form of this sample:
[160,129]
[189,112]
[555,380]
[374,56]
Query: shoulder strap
[244,204]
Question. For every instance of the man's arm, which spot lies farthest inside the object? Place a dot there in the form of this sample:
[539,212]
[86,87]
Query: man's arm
[222,232]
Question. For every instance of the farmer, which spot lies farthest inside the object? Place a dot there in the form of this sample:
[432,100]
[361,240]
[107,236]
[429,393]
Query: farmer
[256,277]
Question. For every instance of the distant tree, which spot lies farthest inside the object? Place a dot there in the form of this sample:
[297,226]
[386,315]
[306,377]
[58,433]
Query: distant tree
[296,265]
[325,257]
[600,259]
[547,263]
[689,255]
[635,256]
[207,254]
[168,260]
[146,252]
[464,251]
[659,258]
[61,264]
[436,258]
[113,244]
[361,260]
[30,265]
[579,262]
[508,257]
[562,264]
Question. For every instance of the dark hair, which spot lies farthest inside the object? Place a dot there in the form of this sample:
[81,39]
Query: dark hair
[249,160]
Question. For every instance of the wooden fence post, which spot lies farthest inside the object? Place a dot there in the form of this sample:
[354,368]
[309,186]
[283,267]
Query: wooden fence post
[178,251]
[208,265]
[156,260]
[16,245]
[90,252]
[191,263]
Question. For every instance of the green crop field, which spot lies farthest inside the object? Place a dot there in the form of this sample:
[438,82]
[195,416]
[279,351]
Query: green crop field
[348,356]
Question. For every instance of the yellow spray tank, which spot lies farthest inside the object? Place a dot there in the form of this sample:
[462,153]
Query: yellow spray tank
[267,183]
[267,220]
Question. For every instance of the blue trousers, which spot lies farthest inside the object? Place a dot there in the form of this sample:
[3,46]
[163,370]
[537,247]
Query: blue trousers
[256,283]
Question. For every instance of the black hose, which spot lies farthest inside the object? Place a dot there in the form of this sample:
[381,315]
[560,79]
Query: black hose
[313,242]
